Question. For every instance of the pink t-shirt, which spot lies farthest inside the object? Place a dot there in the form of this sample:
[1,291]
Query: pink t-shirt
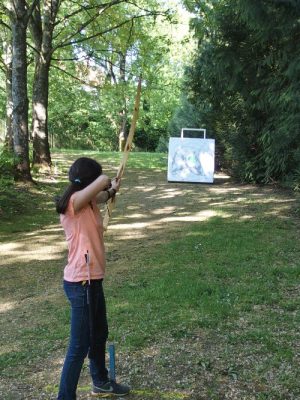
[84,233]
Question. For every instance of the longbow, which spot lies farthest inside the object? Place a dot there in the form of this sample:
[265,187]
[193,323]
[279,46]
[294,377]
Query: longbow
[111,202]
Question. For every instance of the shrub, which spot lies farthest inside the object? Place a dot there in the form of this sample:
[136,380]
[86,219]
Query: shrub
[7,163]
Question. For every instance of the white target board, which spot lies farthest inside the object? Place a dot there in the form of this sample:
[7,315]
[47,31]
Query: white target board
[191,160]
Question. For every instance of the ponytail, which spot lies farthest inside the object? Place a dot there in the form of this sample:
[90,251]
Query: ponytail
[61,202]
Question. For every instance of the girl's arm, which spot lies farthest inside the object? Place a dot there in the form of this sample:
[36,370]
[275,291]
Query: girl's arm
[84,196]
[102,197]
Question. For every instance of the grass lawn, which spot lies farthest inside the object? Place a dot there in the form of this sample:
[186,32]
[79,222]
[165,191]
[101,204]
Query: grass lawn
[202,287]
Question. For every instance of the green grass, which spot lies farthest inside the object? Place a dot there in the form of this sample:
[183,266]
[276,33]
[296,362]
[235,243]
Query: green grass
[137,160]
[218,296]
[209,276]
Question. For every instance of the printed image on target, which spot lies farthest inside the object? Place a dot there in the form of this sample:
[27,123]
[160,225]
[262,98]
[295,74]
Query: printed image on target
[191,159]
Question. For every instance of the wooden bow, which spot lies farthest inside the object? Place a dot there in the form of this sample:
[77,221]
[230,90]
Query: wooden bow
[111,202]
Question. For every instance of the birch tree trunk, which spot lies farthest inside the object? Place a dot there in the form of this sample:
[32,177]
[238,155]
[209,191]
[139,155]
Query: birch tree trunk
[42,26]
[19,21]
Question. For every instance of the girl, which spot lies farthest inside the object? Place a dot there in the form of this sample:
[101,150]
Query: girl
[83,276]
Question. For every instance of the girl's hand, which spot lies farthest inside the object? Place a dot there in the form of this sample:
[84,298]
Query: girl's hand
[84,196]
[108,183]
[115,184]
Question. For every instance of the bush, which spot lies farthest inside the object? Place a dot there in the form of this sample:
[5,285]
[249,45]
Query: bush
[163,145]
[7,163]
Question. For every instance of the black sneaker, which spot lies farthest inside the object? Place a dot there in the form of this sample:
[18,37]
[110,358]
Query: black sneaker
[110,388]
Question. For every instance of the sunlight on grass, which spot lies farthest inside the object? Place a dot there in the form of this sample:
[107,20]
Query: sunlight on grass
[10,305]
[170,193]
[50,229]
[34,253]
[130,226]
[122,306]
[44,246]
[6,350]
[203,215]
[165,210]
[247,217]
[200,216]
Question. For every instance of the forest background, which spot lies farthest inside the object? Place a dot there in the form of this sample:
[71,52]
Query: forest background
[69,70]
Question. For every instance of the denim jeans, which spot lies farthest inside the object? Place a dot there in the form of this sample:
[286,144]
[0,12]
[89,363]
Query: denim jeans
[80,340]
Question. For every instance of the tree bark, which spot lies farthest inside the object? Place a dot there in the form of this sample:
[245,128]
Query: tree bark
[122,130]
[19,91]
[9,143]
[123,112]
[42,26]
[41,148]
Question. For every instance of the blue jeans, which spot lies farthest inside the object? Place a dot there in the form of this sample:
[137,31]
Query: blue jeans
[80,340]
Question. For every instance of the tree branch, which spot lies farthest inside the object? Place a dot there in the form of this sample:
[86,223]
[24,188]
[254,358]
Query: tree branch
[2,7]
[8,10]
[92,56]
[130,32]
[87,8]
[145,9]
[82,26]
[5,25]
[66,59]
[31,9]
[35,25]
[74,42]
[75,77]
[32,48]
[3,66]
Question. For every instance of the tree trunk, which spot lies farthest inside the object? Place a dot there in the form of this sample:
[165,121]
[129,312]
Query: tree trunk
[9,143]
[19,92]
[41,148]
[122,130]
[123,112]
[42,26]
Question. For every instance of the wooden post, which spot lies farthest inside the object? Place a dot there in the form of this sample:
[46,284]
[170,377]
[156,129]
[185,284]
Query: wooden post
[111,202]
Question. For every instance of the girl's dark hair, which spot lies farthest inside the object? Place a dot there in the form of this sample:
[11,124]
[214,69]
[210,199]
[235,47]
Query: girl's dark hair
[81,173]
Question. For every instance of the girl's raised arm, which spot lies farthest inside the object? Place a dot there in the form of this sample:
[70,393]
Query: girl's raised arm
[102,197]
[84,196]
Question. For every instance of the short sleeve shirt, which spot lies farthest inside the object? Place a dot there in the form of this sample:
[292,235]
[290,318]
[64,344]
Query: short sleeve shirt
[84,234]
